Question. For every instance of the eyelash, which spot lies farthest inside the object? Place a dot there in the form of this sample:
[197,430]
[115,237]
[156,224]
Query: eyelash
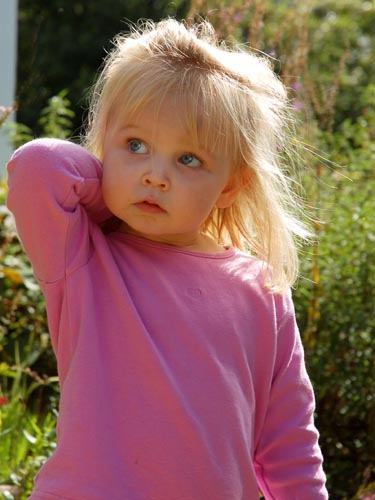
[186,153]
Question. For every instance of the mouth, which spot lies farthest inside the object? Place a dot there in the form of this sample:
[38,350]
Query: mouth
[150,206]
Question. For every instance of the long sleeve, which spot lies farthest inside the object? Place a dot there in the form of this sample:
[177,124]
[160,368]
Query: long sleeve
[54,189]
[288,460]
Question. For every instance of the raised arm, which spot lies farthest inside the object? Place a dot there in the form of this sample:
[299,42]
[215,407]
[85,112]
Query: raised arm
[288,460]
[54,189]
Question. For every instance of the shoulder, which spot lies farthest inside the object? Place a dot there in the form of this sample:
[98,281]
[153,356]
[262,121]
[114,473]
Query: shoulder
[247,269]
[48,147]
[252,275]
[40,156]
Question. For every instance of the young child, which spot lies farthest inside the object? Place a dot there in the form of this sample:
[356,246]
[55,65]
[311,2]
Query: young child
[181,366]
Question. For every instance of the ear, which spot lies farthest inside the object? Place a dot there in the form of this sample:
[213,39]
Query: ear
[231,190]
[227,196]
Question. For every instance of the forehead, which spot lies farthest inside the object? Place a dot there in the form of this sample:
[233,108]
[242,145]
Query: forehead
[153,115]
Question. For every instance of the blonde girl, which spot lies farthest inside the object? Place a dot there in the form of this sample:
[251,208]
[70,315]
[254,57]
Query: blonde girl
[165,248]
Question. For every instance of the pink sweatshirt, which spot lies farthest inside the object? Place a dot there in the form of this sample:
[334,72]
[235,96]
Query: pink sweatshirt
[181,376]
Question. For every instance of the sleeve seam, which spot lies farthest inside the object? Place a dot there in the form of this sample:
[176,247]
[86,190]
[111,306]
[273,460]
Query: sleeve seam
[66,275]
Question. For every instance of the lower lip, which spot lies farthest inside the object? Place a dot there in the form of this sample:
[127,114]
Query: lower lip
[146,207]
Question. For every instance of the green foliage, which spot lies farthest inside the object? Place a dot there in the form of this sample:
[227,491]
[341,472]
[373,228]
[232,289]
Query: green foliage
[56,120]
[339,340]
[335,28]
[26,441]
[28,381]
[19,134]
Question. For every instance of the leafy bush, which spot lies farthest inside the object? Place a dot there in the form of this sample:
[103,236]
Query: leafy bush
[336,315]
[56,120]
[28,383]
[27,439]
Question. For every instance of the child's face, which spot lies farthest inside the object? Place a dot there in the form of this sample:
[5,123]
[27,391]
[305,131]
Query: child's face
[146,162]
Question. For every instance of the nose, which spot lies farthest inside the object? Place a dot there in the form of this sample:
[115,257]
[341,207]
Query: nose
[156,176]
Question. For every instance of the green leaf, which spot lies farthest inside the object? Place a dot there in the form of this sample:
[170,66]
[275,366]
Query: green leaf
[31,439]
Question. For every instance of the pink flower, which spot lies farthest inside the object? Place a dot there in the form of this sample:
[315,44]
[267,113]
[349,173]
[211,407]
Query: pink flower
[297,86]
[3,400]
[298,105]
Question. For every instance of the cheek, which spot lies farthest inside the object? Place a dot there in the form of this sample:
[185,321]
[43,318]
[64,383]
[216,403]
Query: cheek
[207,193]
[110,189]
[202,200]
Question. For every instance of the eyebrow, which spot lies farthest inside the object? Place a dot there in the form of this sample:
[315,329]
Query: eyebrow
[132,125]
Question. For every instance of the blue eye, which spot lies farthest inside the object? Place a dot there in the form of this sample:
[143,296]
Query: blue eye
[190,160]
[135,146]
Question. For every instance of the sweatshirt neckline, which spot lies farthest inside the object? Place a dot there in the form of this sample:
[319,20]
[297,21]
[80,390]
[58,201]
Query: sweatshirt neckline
[228,252]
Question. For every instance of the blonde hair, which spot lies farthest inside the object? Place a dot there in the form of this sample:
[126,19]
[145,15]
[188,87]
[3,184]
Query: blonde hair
[234,103]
